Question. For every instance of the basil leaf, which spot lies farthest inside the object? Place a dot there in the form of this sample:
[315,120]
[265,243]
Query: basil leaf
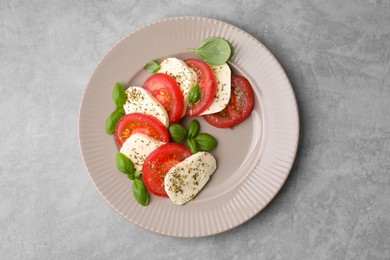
[193,128]
[137,174]
[140,193]
[177,132]
[213,50]
[192,145]
[112,119]
[194,94]
[205,141]
[124,165]
[152,66]
[118,95]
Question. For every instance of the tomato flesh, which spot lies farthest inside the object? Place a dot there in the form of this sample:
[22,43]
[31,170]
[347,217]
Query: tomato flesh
[166,91]
[140,123]
[207,85]
[239,107]
[158,163]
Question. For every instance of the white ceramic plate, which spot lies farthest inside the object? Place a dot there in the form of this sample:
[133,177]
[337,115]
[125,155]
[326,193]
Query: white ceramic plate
[254,158]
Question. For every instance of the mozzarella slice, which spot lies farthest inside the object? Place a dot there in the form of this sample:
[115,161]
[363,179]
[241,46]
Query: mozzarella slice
[140,100]
[187,178]
[137,147]
[185,77]
[222,94]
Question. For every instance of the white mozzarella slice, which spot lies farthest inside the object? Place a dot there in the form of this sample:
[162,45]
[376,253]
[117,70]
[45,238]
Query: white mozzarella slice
[185,77]
[187,178]
[140,100]
[137,147]
[222,94]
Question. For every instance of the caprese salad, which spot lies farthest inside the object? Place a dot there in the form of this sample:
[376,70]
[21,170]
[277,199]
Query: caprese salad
[158,153]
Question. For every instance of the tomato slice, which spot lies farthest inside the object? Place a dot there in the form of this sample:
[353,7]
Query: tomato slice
[158,163]
[165,89]
[140,123]
[207,85]
[239,107]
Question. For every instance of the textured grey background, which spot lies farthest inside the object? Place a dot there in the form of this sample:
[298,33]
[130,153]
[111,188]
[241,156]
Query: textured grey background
[334,205]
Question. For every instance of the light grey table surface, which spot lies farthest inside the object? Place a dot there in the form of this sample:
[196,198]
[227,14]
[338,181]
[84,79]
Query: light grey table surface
[334,205]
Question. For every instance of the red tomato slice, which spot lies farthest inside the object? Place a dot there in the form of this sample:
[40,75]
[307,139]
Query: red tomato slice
[140,123]
[207,85]
[158,163]
[239,107]
[165,89]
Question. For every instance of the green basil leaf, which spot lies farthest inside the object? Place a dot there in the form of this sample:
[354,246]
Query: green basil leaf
[205,141]
[194,94]
[118,95]
[137,174]
[152,66]
[177,132]
[140,193]
[193,128]
[213,50]
[124,165]
[192,145]
[112,119]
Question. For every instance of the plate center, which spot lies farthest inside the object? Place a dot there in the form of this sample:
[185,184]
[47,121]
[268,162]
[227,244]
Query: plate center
[235,145]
